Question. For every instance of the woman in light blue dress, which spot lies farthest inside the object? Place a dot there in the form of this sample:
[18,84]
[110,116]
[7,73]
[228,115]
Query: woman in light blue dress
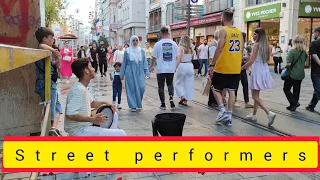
[135,69]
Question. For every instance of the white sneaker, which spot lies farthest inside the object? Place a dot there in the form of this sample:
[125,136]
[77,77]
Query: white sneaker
[271,117]
[119,106]
[251,117]
[236,104]
[133,110]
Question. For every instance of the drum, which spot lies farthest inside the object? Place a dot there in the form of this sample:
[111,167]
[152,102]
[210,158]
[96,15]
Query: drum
[112,121]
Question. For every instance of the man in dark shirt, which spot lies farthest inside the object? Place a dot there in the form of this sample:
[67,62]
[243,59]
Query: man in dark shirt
[315,68]
[102,56]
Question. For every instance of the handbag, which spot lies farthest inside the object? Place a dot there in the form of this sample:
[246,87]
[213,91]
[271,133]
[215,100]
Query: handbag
[196,63]
[205,86]
[285,74]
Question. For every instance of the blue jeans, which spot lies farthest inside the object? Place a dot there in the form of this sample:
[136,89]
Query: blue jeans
[205,62]
[55,106]
[316,94]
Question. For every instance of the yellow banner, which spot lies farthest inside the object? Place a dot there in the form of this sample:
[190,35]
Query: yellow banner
[160,154]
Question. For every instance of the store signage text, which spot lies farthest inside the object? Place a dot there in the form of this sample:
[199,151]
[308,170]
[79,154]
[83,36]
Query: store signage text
[309,9]
[264,12]
[197,21]
[178,33]
[153,36]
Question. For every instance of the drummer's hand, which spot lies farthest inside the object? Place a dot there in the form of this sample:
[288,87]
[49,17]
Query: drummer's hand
[113,107]
[99,119]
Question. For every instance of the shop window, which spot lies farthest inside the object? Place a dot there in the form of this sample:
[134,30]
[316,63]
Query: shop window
[304,29]
[251,27]
[272,28]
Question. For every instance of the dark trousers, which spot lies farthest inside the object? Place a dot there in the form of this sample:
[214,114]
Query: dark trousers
[211,100]
[316,94]
[245,85]
[103,66]
[277,64]
[95,65]
[293,97]
[117,91]
[162,78]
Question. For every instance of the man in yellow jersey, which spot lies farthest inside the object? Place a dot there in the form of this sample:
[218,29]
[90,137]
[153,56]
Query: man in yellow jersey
[227,66]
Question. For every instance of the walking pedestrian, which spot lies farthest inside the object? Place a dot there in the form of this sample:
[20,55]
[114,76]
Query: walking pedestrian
[67,59]
[119,54]
[244,79]
[212,51]
[184,74]
[315,69]
[227,65]
[93,57]
[116,84]
[260,76]
[203,56]
[134,70]
[165,52]
[296,60]
[102,56]
[277,59]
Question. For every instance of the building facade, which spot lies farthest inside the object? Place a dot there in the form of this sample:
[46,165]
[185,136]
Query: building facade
[201,28]
[282,20]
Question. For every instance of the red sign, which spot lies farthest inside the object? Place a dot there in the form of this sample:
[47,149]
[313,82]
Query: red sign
[198,21]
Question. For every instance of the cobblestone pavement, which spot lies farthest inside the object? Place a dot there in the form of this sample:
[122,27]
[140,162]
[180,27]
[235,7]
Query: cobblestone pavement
[199,122]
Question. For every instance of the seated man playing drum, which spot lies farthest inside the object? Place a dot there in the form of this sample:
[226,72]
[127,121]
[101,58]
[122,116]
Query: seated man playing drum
[78,120]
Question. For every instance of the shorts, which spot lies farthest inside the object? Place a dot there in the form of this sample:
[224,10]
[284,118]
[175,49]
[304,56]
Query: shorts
[225,81]
[55,106]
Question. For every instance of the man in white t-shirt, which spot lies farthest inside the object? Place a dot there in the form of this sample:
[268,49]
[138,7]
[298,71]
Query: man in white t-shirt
[165,52]
[78,120]
[203,56]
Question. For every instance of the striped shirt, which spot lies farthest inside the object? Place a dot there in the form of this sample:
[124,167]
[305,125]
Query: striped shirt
[78,102]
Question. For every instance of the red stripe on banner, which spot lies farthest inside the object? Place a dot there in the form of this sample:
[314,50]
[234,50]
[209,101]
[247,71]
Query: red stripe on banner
[162,138]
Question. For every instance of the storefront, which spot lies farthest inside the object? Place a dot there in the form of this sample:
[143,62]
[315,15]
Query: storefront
[152,38]
[201,28]
[309,18]
[266,17]
[176,34]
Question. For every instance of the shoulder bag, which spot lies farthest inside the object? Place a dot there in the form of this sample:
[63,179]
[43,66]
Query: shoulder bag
[285,74]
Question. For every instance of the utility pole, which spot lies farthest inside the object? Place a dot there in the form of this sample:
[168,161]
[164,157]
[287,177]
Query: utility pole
[188,16]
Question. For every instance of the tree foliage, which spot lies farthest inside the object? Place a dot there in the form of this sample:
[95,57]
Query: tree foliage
[106,42]
[53,9]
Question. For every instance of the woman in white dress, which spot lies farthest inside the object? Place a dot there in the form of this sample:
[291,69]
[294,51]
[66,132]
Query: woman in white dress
[185,74]
[261,78]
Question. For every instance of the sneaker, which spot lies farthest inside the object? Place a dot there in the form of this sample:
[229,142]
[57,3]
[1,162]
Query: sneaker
[54,132]
[310,109]
[133,110]
[229,122]
[251,117]
[172,105]
[248,105]
[119,107]
[163,106]
[271,117]
[223,117]
[236,104]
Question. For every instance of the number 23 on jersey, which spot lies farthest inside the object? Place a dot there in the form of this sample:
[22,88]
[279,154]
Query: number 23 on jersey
[234,45]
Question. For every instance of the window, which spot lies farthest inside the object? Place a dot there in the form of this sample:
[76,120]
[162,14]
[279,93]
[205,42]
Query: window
[169,14]
[256,2]
[212,6]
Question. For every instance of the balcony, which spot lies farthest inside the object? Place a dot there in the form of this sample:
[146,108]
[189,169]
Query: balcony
[154,28]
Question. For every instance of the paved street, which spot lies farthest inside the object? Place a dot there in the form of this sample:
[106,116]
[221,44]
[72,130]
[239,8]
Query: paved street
[200,122]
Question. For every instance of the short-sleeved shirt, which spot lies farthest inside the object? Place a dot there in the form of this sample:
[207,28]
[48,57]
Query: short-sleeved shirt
[315,49]
[203,51]
[297,71]
[78,102]
[166,52]
[212,51]
[102,53]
